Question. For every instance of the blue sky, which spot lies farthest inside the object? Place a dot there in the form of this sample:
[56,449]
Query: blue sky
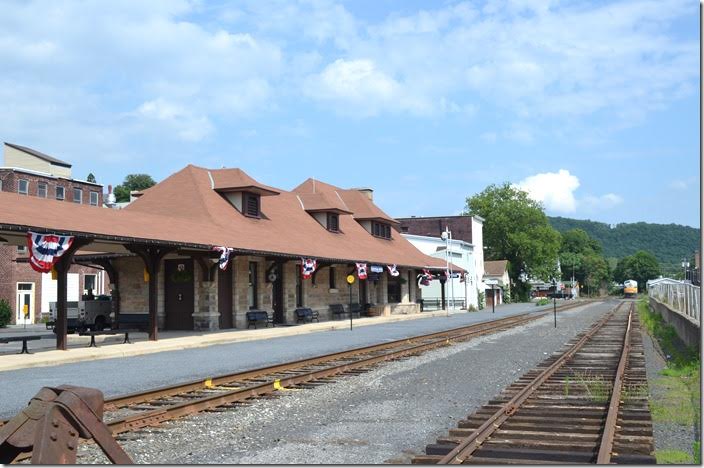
[591,107]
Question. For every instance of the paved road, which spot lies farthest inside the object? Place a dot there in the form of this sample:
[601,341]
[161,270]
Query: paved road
[124,375]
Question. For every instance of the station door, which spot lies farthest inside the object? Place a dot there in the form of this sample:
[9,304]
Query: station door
[179,295]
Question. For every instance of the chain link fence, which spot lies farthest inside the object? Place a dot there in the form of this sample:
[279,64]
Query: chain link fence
[681,297]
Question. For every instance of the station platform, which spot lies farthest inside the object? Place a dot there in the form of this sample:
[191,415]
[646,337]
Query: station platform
[44,352]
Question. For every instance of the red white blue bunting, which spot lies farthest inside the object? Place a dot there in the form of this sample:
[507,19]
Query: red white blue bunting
[224,256]
[46,249]
[308,266]
[392,270]
[361,270]
[424,278]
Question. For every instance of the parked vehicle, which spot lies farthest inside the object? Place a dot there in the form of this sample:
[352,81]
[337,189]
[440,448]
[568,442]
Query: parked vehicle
[87,314]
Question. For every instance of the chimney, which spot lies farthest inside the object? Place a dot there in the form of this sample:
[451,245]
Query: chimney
[111,200]
[135,194]
[367,191]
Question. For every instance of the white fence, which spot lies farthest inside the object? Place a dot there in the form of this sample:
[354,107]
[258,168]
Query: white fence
[681,297]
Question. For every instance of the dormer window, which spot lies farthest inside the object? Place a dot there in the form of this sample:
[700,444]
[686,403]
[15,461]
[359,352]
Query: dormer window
[251,204]
[381,230]
[333,222]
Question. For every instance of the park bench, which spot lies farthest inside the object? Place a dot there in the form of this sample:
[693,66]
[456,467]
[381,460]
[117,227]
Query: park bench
[305,314]
[95,333]
[24,339]
[357,309]
[255,317]
[337,310]
[133,321]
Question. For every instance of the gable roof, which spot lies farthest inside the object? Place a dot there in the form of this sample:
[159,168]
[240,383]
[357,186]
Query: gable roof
[39,155]
[495,267]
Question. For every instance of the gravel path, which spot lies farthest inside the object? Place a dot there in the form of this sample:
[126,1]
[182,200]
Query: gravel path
[386,415]
[666,435]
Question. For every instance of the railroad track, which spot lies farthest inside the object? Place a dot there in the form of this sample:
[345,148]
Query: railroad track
[153,407]
[585,404]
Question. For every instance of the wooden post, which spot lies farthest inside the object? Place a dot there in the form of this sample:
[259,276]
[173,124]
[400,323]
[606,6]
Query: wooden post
[152,257]
[62,266]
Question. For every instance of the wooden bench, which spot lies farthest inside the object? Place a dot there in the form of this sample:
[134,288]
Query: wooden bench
[93,334]
[24,339]
[133,321]
[337,310]
[357,309]
[305,314]
[255,317]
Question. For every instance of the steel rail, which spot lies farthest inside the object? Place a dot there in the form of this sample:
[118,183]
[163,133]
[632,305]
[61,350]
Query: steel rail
[196,405]
[200,384]
[470,444]
[161,392]
[607,439]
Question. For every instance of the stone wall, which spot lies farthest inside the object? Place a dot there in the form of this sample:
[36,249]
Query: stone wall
[687,330]
[134,292]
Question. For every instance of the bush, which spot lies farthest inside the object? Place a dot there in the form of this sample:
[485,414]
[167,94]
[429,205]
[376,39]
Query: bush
[542,301]
[507,296]
[5,313]
[480,299]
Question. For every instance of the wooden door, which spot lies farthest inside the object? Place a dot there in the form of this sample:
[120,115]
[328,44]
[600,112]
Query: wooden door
[179,296]
[225,297]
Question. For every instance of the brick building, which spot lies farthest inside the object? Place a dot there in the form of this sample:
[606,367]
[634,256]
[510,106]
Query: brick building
[30,173]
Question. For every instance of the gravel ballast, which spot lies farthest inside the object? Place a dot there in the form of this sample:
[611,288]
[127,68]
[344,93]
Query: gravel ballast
[386,415]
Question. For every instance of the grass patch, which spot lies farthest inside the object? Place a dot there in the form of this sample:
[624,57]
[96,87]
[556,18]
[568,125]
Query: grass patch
[672,457]
[679,385]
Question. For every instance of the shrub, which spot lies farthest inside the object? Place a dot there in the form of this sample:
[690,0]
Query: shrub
[480,299]
[5,313]
[542,301]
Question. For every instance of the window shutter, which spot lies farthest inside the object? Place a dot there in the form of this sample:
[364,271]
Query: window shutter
[251,205]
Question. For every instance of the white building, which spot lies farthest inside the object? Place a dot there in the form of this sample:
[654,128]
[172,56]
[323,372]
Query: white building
[465,249]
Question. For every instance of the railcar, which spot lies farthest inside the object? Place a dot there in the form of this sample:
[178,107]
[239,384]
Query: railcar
[630,288]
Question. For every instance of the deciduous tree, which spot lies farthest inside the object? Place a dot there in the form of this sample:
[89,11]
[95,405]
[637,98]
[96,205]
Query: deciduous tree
[516,229]
[132,182]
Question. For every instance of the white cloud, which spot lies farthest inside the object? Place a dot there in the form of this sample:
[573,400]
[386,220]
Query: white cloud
[554,189]
[188,127]
[593,203]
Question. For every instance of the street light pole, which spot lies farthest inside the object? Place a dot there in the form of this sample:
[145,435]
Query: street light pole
[554,301]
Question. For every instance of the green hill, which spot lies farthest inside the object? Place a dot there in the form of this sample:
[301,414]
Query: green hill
[668,242]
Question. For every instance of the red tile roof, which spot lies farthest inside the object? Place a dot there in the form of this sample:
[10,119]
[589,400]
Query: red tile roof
[185,208]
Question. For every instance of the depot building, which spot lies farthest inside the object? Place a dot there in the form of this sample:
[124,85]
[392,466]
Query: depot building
[159,251]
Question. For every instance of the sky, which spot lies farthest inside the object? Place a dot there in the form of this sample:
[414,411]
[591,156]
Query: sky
[591,107]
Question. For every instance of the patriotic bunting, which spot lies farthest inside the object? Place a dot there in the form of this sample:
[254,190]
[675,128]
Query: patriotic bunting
[361,270]
[308,266]
[45,250]
[224,256]
[392,270]
[424,278]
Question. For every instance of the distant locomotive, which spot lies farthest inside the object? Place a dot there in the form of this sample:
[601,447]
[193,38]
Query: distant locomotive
[630,288]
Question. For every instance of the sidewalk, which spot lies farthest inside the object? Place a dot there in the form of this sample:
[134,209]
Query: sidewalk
[44,352]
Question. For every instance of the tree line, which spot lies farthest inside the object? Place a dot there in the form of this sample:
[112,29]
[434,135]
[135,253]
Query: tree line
[516,229]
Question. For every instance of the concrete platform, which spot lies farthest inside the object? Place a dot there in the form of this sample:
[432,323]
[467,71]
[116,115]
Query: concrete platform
[44,352]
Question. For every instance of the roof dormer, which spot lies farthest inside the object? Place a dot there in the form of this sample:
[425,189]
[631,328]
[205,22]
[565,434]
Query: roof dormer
[324,208]
[242,191]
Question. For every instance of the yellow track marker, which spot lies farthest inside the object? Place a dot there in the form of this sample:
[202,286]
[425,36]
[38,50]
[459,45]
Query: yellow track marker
[281,388]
